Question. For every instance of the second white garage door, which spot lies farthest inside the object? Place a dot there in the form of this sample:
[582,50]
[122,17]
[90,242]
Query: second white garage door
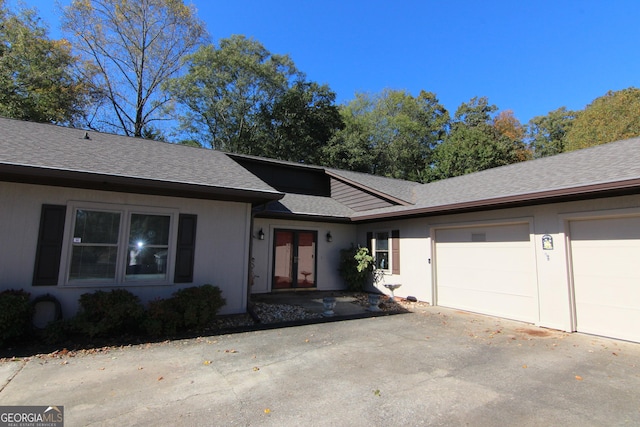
[487,269]
[606,276]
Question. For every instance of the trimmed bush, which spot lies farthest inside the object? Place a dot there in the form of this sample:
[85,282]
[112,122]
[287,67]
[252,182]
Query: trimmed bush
[15,314]
[162,318]
[109,313]
[198,305]
[188,308]
[57,331]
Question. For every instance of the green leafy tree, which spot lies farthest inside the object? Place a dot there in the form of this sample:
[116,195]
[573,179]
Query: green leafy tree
[390,134]
[133,47]
[227,88]
[612,117]
[547,134]
[475,143]
[299,124]
[351,147]
[37,80]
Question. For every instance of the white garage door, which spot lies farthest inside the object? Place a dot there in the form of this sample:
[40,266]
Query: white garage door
[488,269]
[606,276]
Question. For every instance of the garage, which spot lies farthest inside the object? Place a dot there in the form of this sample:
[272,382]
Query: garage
[487,269]
[605,261]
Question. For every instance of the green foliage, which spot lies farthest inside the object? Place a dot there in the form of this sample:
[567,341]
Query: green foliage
[58,331]
[299,124]
[162,318]
[356,267]
[475,143]
[226,88]
[547,134]
[188,308]
[109,313]
[15,314]
[198,305]
[390,134]
[612,117]
[37,80]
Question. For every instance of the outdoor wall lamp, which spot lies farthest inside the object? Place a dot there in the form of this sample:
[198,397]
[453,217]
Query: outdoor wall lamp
[329,237]
[261,235]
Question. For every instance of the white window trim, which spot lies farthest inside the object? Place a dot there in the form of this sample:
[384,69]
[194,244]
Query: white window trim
[123,243]
[374,241]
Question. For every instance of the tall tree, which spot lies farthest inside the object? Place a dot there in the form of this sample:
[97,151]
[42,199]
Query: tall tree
[547,134]
[507,125]
[391,133]
[612,117]
[133,46]
[475,143]
[298,124]
[226,88]
[37,80]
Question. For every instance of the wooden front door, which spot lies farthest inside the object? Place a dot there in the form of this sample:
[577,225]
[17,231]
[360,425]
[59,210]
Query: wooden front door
[294,259]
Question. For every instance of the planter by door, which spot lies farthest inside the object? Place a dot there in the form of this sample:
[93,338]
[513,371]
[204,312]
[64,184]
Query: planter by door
[294,259]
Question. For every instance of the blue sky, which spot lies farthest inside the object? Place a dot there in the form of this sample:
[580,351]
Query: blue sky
[527,56]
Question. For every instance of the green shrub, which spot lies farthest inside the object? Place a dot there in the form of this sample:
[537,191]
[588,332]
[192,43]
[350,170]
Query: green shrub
[109,313]
[188,308]
[198,305]
[15,314]
[162,318]
[356,267]
[57,331]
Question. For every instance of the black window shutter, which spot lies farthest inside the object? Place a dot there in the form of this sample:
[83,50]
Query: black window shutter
[370,242]
[49,249]
[395,251]
[186,248]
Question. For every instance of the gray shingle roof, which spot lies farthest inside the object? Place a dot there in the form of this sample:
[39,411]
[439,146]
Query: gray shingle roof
[318,206]
[57,148]
[396,188]
[607,166]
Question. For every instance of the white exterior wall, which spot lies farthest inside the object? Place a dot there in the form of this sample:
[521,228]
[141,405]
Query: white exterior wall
[415,251]
[328,258]
[221,254]
[552,266]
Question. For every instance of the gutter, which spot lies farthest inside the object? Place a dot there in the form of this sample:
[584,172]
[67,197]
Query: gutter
[105,182]
[609,189]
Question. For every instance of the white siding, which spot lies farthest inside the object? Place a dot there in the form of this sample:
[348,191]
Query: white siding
[222,253]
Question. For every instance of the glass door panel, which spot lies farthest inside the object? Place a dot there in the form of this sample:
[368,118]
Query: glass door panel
[283,260]
[294,260]
[306,260]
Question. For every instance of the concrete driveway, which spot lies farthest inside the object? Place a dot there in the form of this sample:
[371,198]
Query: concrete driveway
[432,367]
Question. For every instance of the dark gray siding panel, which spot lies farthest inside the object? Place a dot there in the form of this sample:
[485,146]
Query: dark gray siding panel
[355,198]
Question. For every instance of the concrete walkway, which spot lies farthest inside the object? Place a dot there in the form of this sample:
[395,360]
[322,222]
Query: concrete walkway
[435,367]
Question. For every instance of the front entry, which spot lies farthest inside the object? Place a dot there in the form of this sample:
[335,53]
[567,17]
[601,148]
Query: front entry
[294,259]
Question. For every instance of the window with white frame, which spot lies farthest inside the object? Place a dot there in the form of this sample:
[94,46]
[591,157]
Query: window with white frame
[381,250]
[120,245]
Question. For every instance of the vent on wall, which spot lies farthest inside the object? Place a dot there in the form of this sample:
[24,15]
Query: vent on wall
[478,237]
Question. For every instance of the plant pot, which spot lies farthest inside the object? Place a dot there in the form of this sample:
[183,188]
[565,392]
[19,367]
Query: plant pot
[374,301]
[329,304]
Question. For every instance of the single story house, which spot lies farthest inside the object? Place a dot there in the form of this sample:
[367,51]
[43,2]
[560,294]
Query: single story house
[552,241]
